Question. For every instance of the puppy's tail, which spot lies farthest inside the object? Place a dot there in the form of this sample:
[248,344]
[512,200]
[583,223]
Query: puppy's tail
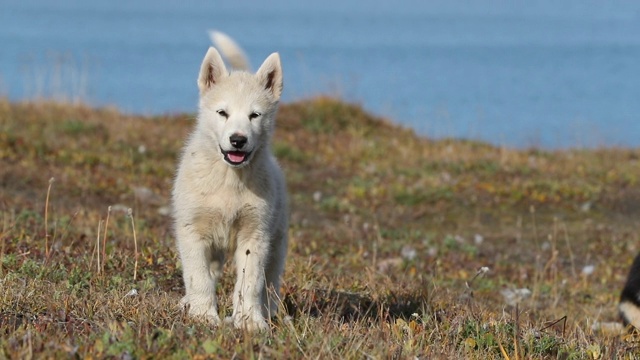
[629,305]
[231,51]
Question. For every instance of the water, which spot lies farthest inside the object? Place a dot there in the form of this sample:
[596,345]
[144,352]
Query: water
[539,73]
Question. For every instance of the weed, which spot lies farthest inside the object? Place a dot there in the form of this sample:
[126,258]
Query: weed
[382,253]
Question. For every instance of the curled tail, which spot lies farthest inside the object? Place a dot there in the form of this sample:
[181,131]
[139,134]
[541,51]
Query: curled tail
[230,50]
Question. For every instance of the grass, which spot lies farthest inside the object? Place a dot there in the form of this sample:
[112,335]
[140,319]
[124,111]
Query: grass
[388,233]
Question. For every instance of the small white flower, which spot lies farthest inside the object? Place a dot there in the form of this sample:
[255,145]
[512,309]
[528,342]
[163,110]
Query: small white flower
[445,177]
[408,252]
[478,239]
[588,270]
[317,196]
[164,210]
[119,208]
[132,293]
[610,328]
[515,296]
[433,251]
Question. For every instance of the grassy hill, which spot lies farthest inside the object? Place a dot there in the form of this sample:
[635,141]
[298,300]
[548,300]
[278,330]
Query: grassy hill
[388,234]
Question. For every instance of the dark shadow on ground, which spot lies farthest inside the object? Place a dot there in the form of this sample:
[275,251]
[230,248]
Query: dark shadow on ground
[351,306]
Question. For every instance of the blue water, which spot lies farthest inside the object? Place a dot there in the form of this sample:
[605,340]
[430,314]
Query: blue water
[538,73]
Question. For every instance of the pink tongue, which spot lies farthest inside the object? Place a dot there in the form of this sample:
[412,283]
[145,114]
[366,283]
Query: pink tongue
[236,156]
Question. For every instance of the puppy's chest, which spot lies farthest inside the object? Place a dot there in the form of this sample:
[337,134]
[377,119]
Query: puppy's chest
[222,220]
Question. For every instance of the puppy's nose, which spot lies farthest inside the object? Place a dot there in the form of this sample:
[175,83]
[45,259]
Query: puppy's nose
[238,141]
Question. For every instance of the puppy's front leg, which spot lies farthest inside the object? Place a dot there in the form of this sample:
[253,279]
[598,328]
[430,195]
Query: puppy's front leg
[249,295]
[202,265]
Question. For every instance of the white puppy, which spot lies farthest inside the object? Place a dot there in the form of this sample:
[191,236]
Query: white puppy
[229,194]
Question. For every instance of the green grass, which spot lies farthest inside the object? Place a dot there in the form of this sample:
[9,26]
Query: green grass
[364,194]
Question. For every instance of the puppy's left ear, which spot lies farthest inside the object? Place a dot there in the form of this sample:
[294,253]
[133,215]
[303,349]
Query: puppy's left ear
[270,75]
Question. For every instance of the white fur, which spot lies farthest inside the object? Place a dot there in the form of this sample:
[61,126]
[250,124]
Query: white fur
[630,312]
[220,206]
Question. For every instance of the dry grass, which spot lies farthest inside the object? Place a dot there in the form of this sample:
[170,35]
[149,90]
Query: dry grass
[388,232]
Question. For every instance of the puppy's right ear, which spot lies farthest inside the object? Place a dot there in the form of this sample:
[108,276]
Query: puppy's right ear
[211,70]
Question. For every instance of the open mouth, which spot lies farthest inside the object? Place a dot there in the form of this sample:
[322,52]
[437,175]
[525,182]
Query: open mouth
[234,157]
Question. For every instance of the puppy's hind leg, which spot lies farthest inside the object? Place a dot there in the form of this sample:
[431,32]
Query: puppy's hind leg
[273,272]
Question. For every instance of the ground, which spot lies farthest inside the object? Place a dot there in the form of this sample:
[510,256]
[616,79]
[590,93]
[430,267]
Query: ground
[400,246]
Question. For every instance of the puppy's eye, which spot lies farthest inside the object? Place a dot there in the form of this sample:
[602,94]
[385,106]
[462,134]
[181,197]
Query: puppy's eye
[222,113]
[254,115]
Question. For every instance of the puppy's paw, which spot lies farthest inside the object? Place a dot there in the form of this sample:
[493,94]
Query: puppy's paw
[251,321]
[201,309]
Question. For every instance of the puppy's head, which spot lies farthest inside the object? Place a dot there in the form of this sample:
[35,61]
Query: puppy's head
[237,110]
